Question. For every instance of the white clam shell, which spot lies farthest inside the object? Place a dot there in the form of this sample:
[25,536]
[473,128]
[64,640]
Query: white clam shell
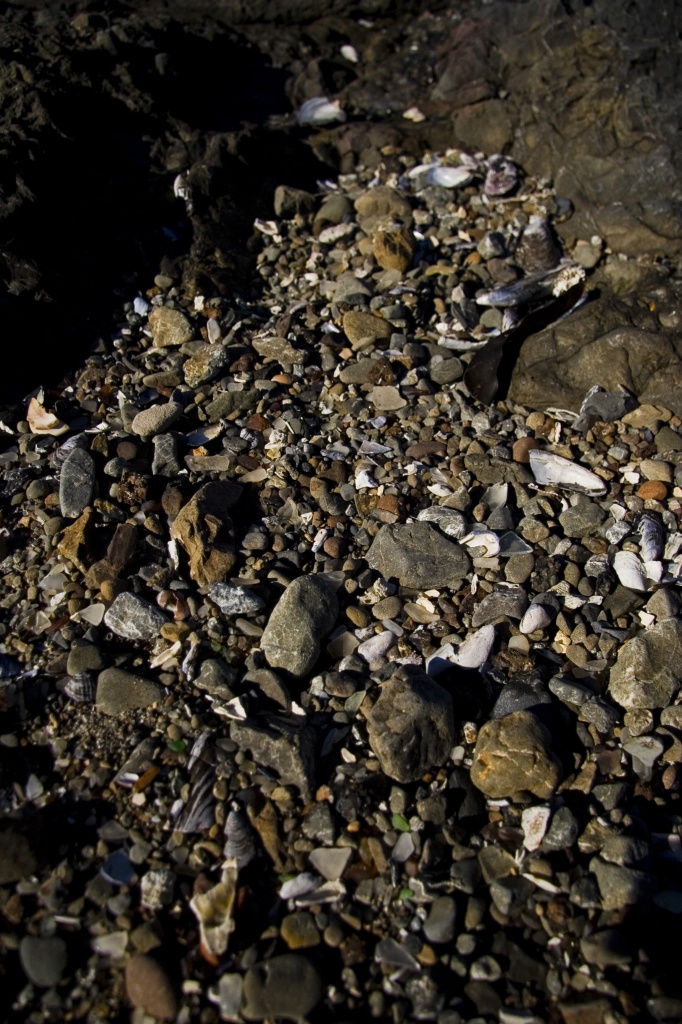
[536,616]
[320,110]
[475,650]
[482,538]
[630,571]
[449,177]
[213,910]
[449,520]
[556,471]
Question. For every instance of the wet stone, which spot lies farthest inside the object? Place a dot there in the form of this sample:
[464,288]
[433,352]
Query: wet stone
[156,419]
[43,959]
[76,483]
[440,924]
[411,726]
[648,670]
[165,461]
[304,614]
[285,986]
[418,555]
[133,618]
[119,691]
[150,987]
[514,754]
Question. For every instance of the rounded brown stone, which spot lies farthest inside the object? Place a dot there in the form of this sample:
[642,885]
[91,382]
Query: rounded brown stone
[150,988]
[652,490]
[335,547]
[522,447]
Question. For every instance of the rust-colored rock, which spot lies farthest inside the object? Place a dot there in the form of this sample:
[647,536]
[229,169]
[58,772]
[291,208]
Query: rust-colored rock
[204,529]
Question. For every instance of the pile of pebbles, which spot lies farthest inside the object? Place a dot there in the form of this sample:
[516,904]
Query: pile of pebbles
[325,688]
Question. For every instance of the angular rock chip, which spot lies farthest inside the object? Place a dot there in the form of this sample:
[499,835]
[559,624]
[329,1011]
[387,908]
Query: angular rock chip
[76,483]
[119,691]
[204,529]
[132,617]
[418,555]
[411,726]
[77,541]
[204,364]
[169,327]
[648,669]
[304,614]
[277,744]
[514,753]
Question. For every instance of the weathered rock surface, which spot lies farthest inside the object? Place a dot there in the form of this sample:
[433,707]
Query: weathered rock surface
[169,327]
[277,744]
[648,670]
[411,726]
[76,483]
[119,691]
[514,753]
[204,529]
[304,614]
[132,617]
[418,555]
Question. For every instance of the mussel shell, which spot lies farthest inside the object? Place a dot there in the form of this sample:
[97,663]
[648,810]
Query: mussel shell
[82,687]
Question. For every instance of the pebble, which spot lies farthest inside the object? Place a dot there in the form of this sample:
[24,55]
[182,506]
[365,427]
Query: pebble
[233,599]
[156,419]
[439,926]
[165,461]
[43,959]
[169,327]
[76,483]
[285,986]
[307,610]
[330,862]
[299,930]
[515,753]
[282,746]
[84,658]
[119,691]
[133,618]
[652,490]
[205,530]
[418,555]
[411,726]
[648,669]
[364,329]
[149,987]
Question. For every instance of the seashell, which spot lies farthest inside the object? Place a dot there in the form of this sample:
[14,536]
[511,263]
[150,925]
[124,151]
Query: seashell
[43,422]
[82,688]
[239,839]
[534,822]
[556,471]
[475,650]
[536,616]
[650,529]
[197,813]
[654,570]
[213,910]
[496,496]
[300,885]
[350,53]
[535,289]
[481,537]
[203,435]
[502,177]
[629,570]
[538,250]
[173,601]
[449,520]
[449,177]
[320,110]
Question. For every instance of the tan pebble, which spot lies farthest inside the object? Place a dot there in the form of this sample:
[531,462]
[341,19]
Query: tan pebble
[535,420]
[652,490]
[150,988]
[522,447]
[335,547]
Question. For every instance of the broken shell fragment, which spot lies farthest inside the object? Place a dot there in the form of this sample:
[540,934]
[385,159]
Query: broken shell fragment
[43,422]
[449,177]
[173,601]
[481,537]
[650,530]
[555,471]
[630,571]
[536,616]
[213,910]
[475,650]
[320,110]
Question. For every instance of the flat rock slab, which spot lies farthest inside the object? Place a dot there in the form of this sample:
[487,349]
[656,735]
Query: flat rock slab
[285,748]
[512,754]
[411,726]
[204,529]
[304,614]
[134,618]
[418,555]
[76,483]
[648,670]
[285,986]
[119,691]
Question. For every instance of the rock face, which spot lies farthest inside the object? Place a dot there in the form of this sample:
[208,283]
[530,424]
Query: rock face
[606,342]
[648,670]
[514,753]
[204,529]
[418,555]
[304,614]
[411,726]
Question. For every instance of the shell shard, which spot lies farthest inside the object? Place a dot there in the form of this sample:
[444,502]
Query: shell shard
[502,177]
[556,471]
[449,177]
[197,814]
[535,289]
[449,520]
[213,910]
[652,537]
[630,571]
[82,688]
[475,650]
[482,538]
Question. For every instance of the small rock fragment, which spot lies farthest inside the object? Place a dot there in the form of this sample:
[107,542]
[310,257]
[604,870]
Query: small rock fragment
[169,327]
[132,617]
[204,529]
[76,483]
[285,986]
[514,753]
[304,614]
[648,669]
[119,691]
